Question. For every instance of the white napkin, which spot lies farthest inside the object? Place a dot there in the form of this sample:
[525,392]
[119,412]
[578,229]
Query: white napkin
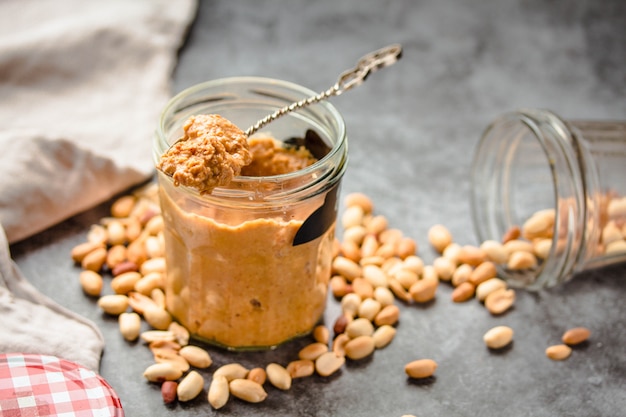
[82,84]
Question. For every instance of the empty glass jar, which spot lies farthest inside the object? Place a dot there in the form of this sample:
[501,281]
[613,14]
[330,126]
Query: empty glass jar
[572,174]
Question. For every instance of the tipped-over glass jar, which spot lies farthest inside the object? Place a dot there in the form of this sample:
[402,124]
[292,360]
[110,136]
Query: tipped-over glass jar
[248,265]
[560,184]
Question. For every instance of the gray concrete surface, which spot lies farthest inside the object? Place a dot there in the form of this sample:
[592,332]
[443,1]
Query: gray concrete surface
[412,129]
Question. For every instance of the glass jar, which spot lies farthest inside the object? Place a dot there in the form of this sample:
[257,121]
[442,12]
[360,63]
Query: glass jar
[572,173]
[248,265]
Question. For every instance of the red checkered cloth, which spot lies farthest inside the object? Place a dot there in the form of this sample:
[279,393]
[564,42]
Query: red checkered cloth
[40,385]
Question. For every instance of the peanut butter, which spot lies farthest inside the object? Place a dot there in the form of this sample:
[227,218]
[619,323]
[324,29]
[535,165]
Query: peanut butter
[236,278]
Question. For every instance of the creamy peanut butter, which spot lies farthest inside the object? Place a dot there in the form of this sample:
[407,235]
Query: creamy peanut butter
[237,278]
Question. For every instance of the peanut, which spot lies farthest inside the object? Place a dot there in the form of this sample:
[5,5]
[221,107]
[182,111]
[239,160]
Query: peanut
[463,292]
[247,390]
[278,376]
[360,347]
[218,392]
[168,391]
[471,255]
[487,287]
[361,200]
[123,206]
[576,336]
[445,268]
[483,272]
[362,288]
[313,351]
[190,387]
[358,327]
[151,336]
[114,304]
[94,260]
[383,336]
[375,276]
[125,283]
[439,237]
[421,368]
[79,252]
[157,317]
[498,337]
[196,356]
[321,334]
[522,260]
[389,315]
[301,368]
[424,290]
[329,363]
[461,274]
[540,224]
[499,301]
[558,352]
[160,372]
[369,308]
[232,371]
[115,256]
[494,251]
[384,296]
[91,282]
[339,344]
[346,268]
[130,325]
[257,375]
[116,233]
[352,216]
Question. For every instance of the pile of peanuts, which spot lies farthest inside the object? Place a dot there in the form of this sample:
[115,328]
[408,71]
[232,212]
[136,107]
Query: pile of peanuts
[373,265]
[533,241]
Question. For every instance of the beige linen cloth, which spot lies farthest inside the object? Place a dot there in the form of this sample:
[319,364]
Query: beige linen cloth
[82,84]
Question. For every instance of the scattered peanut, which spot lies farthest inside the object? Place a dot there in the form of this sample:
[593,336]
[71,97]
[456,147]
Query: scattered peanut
[91,282]
[498,337]
[499,301]
[257,375]
[247,390]
[576,336]
[301,368]
[196,356]
[421,368]
[232,371]
[160,372]
[168,391]
[360,347]
[558,352]
[130,325]
[218,392]
[190,386]
[329,363]
[278,376]
[439,237]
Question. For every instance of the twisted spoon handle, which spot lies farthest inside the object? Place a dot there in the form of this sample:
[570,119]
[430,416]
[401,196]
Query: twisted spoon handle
[346,81]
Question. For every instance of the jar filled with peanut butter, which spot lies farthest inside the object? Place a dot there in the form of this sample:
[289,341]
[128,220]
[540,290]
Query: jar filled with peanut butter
[248,263]
[557,188]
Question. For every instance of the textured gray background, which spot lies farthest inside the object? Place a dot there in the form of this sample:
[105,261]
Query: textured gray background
[412,129]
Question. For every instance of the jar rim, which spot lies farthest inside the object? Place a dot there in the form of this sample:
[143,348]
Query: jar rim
[337,151]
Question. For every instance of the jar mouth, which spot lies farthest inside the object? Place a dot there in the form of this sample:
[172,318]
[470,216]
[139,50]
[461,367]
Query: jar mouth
[264,96]
[527,161]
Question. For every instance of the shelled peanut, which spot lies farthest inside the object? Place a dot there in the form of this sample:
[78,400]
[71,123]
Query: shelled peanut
[472,269]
